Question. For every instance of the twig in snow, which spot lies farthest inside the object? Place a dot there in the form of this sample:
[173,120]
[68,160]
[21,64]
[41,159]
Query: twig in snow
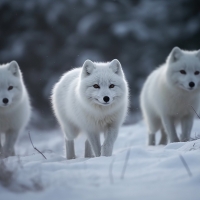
[195,111]
[125,163]
[19,162]
[185,165]
[35,147]
[196,137]
[110,171]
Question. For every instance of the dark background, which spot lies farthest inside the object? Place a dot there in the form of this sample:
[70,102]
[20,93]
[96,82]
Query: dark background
[48,37]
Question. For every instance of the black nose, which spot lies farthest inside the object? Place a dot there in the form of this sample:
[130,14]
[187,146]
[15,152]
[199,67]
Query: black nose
[5,100]
[106,99]
[191,84]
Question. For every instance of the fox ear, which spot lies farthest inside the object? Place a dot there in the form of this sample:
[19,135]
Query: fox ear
[175,54]
[13,67]
[115,66]
[87,68]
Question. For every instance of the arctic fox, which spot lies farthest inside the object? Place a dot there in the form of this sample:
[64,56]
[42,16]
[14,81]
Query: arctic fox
[91,99]
[169,95]
[14,106]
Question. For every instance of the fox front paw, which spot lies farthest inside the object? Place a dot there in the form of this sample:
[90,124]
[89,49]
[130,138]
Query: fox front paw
[106,150]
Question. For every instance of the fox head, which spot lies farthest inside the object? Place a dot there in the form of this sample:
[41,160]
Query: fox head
[102,83]
[184,69]
[10,84]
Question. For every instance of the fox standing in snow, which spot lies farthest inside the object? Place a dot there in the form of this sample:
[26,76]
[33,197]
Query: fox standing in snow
[14,106]
[92,99]
[168,94]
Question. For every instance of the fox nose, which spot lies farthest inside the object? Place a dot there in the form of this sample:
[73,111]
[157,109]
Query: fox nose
[106,99]
[191,84]
[5,100]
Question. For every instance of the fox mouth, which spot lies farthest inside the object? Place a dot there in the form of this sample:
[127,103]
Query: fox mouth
[4,105]
[187,89]
[102,103]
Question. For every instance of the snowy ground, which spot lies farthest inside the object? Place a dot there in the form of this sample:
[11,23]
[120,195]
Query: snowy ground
[135,171]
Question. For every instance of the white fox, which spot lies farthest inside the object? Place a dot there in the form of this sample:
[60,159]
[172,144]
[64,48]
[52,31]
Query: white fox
[169,94]
[92,99]
[14,106]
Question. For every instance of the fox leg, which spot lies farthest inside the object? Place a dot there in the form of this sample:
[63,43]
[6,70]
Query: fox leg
[70,149]
[186,125]
[94,141]
[10,140]
[71,132]
[163,139]
[151,139]
[88,150]
[169,127]
[110,136]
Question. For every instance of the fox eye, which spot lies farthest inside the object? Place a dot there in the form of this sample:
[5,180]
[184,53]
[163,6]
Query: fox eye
[112,86]
[182,71]
[96,86]
[10,87]
[196,73]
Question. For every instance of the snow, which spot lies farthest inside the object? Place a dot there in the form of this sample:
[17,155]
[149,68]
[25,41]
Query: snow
[135,171]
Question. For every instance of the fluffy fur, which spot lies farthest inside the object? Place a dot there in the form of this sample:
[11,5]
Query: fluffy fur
[92,99]
[14,106]
[168,94]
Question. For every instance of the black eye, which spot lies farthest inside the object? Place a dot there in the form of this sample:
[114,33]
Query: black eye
[112,86]
[10,87]
[96,86]
[196,73]
[182,71]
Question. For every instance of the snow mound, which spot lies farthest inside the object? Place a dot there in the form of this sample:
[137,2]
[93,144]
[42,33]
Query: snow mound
[135,171]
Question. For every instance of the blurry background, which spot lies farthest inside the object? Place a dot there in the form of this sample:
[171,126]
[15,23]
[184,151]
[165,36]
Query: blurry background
[48,37]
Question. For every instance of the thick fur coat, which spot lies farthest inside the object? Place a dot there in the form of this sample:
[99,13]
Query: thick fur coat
[91,99]
[169,94]
[15,107]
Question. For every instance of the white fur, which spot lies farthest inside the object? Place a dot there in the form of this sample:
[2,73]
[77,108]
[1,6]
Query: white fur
[167,97]
[15,114]
[78,106]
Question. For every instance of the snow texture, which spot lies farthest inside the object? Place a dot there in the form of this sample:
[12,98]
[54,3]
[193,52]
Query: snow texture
[135,171]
